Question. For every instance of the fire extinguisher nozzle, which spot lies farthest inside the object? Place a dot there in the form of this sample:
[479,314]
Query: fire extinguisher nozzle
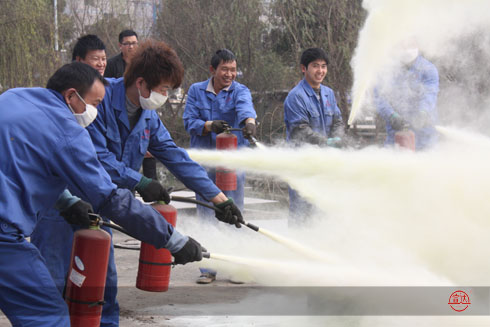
[95,220]
[252,226]
[206,255]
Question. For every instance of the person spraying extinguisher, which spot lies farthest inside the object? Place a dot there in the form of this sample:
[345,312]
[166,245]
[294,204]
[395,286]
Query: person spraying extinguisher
[406,98]
[213,106]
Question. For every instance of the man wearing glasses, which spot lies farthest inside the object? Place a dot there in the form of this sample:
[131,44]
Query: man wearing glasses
[128,42]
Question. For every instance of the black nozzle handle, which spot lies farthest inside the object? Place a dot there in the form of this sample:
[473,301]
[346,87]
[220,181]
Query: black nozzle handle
[253,141]
[207,205]
[94,217]
[252,226]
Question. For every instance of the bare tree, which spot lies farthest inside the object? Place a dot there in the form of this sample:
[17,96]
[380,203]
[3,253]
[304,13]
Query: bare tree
[329,24]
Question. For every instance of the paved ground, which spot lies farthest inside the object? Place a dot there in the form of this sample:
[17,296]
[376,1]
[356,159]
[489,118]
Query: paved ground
[187,303]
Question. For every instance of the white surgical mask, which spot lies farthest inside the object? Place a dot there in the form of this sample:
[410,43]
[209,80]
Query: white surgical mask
[155,101]
[88,116]
[409,55]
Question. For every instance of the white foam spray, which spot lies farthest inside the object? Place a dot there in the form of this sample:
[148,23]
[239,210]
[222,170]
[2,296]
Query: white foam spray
[297,247]
[379,200]
[437,25]
[392,218]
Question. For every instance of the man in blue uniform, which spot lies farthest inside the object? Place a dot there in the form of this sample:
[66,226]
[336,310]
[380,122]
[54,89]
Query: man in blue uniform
[211,107]
[128,43]
[311,116]
[90,50]
[45,150]
[126,127]
[408,98]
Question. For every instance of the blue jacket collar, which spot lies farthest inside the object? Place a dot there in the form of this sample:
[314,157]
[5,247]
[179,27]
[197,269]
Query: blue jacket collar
[60,97]
[204,84]
[307,87]
[119,96]
[119,99]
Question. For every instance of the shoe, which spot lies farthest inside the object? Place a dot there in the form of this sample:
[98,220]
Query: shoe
[206,278]
[236,281]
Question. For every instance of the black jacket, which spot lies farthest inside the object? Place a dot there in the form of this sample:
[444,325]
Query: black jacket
[115,66]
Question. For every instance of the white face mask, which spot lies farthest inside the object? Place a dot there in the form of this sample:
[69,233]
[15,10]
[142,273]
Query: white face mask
[409,55]
[88,116]
[155,101]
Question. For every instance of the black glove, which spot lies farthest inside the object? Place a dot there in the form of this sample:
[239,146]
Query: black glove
[219,126]
[150,190]
[77,214]
[191,251]
[229,213]
[304,133]
[249,130]
[397,122]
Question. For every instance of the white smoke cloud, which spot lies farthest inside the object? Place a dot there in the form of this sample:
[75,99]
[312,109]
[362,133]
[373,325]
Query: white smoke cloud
[447,33]
[413,212]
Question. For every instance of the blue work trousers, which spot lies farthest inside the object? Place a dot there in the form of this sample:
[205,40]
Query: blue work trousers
[300,210]
[28,294]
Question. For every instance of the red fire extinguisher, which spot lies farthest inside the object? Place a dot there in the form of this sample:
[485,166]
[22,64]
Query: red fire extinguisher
[405,139]
[226,178]
[85,284]
[155,264]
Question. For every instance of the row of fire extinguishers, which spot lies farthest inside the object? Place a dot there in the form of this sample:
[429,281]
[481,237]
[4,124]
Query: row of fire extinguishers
[84,292]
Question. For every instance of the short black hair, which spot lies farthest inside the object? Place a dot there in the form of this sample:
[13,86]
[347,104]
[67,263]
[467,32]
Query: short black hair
[313,54]
[126,33]
[85,44]
[223,55]
[77,75]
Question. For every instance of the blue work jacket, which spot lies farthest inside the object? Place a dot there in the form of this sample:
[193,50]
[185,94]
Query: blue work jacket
[408,91]
[233,105]
[121,150]
[43,151]
[302,107]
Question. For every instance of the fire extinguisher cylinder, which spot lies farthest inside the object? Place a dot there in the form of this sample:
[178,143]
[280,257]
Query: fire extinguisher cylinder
[84,293]
[155,264]
[226,178]
[405,139]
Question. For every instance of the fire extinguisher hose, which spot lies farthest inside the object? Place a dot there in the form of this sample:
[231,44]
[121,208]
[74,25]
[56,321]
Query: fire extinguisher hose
[116,227]
[207,205]
[101,222]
